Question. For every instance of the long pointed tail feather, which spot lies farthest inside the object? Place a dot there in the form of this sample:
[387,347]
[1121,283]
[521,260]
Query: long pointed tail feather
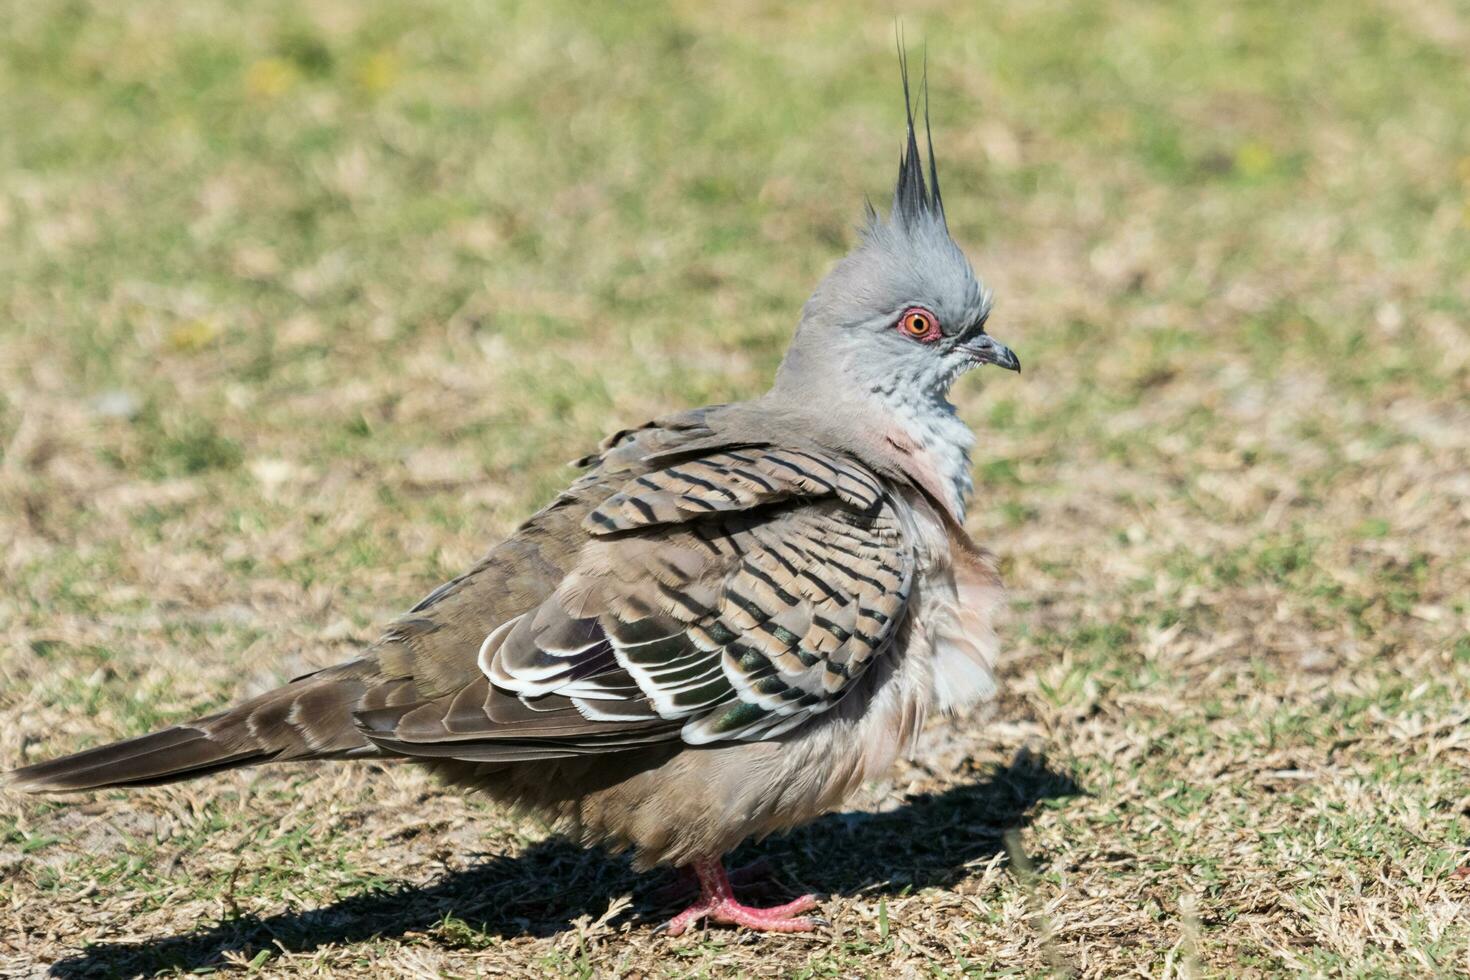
[159,757]
[310,718]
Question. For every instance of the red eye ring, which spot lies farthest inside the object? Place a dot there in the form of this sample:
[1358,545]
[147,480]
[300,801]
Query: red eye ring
[919,324]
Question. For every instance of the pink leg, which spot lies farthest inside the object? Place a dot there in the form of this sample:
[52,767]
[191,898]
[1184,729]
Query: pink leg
[717,903]
[686,883]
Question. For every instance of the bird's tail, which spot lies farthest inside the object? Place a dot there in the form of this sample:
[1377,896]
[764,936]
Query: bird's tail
[309,718]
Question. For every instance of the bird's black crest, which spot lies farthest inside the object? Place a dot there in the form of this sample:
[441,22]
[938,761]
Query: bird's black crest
[912,197]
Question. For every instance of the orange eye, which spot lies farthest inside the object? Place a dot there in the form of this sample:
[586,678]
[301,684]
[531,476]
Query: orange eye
[919,324]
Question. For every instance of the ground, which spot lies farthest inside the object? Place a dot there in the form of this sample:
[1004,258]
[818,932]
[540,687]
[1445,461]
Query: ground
[302,306]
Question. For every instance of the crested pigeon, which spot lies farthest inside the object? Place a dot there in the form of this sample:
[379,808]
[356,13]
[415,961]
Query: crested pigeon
[734,617]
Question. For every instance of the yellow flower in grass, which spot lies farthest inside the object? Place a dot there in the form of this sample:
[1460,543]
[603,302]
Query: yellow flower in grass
[191,336]
[1254,159]
[270,78]
[377,72]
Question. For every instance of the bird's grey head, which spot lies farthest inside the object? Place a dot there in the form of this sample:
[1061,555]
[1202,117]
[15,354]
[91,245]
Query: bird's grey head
[902,315]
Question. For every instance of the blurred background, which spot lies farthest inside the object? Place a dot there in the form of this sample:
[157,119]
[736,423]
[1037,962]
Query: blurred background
[301,306]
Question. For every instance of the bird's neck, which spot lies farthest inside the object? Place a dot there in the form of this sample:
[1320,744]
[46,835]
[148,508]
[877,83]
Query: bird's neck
[917,438]
[934,445]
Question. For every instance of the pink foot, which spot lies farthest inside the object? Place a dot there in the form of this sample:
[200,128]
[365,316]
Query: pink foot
[717,903]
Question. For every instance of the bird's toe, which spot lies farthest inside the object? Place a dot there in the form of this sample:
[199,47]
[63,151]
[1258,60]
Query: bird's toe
[780,918]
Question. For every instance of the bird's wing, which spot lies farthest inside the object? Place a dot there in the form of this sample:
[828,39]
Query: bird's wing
[682,589]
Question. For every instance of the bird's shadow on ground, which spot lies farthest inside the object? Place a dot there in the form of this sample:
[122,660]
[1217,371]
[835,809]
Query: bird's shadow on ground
[927,841]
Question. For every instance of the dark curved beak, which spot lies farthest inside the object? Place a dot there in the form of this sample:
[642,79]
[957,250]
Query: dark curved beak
[985,349]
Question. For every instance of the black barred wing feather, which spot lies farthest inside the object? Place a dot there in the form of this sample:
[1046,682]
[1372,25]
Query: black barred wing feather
[807,603]
[702,597]
[733,480]
[730,593]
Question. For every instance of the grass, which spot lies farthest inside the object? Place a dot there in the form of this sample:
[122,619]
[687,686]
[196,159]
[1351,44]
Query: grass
[300,309]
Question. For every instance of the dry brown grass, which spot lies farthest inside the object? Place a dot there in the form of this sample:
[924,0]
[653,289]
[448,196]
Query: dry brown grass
[301,311]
